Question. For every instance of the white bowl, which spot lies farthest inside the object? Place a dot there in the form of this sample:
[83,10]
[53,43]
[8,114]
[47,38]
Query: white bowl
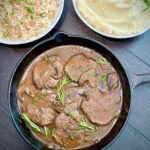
[102,33]
[19,42]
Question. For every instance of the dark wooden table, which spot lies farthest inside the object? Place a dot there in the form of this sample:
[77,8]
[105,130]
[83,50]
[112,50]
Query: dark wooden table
[134,55]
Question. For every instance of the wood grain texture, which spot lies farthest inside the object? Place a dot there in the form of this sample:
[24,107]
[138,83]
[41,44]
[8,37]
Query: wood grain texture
[128,139]
[3,94]
[134,54]
[140,115]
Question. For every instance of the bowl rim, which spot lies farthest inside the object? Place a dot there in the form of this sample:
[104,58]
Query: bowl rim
[102,33]
[51,26]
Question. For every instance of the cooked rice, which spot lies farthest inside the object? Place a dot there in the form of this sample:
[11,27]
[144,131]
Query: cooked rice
[26,19]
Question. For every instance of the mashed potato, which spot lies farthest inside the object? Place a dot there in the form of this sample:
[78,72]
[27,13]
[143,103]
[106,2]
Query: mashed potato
[25,19]
[116,17]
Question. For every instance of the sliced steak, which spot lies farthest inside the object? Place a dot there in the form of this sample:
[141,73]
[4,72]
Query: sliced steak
[40,113]
[78,64]
[36,104]
[74,94]
[27,88]
[65,122]
[107,107]
[72,110]
[70,91]
[55,103]
[26,93]
[65,125]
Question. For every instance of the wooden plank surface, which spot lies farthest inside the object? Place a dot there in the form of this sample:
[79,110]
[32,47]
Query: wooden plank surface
[128,139]
[134,55]
[140,116]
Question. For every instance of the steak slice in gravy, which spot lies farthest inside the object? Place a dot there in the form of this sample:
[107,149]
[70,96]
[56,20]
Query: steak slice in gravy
[26,93]
[78,64]
[101,108]
[72,98]
[40,114]
[35,104]
[74,94]
[72,110]
[65,126]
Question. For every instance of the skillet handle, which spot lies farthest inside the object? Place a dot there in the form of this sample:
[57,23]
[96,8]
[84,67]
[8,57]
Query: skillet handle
[139,79]
[52,33]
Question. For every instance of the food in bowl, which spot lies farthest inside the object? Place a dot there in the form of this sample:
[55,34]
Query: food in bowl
[26,19]
[116,17]
[70,97]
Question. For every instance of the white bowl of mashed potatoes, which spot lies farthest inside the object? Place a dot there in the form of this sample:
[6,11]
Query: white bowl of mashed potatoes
[115,18]
[25,21]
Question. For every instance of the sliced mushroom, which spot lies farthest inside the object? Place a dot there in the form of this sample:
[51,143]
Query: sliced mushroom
[43,71]
[56,62]
[112,81]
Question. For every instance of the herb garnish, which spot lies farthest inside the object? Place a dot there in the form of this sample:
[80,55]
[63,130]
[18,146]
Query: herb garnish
[12,12]
[30,10]
[46,131]
[147,2]
[84,124]
[71,113]
[49,132]
[104,77]
[24,1]
[60,92]
[103,61]
[73,136]
[65,143]
[31,124]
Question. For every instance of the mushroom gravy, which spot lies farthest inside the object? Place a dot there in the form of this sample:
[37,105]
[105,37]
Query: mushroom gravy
[70,97]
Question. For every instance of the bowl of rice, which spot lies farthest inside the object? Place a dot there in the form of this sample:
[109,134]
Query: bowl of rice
[25,21]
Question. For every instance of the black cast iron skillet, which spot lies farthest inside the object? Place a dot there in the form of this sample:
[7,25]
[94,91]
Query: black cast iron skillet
[60,39]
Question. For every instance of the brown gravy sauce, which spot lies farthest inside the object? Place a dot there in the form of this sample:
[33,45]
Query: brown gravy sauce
[65,53]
